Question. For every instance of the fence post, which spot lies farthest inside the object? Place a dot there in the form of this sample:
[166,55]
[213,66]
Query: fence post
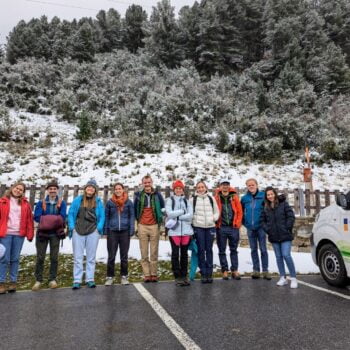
[2,190]
[65,193]
[75,191]
[296,201]
[317,201]
[301,202]
[327,199]
[105,194]
[42,192]
[167,191]
[307,202]
[32,195]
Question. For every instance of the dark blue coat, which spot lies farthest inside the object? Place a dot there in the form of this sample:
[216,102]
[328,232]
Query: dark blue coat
[278,222]
[119,221]
[252,207]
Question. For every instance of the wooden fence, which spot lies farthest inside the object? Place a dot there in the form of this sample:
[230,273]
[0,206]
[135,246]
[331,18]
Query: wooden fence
[305,202]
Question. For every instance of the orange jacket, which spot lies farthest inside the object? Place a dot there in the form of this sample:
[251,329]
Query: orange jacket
[26,228]
[236,207]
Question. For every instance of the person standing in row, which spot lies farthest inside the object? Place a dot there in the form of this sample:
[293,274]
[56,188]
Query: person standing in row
[253,205]
[50,213]
[86,218]
[179,213]
[278,220]
[205,214]
[119,227]
[228,225]
[149,206]
[16,223]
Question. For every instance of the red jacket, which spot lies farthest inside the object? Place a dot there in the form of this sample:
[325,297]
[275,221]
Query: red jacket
[26,228]
[236,207]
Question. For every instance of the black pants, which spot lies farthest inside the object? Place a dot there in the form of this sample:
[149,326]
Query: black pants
[117,239]
[41,247]
[179,259]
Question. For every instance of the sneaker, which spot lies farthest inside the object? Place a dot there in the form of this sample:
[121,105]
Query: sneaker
[282,282]
[178,281]
[109,281]
[236,275]
[36,286]
[185,283]
[266,275]
[12,287]
[154,278]
[76,286]
[293,282]
[53,284]
[225,275]
[210,279]
[147,279]
[91,284]
[3,288]
[124,281]
[255,275]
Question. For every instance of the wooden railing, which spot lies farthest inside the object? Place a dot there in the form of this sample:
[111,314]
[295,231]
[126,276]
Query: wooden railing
[304,202]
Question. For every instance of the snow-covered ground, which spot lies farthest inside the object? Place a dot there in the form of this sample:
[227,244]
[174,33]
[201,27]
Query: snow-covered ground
[303,261]
[55,152]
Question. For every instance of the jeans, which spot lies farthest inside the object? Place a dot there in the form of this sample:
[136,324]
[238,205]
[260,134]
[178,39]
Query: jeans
[282,252]
[179,259]
[117,239]
[41,247]
[255,237]
[205,239]
[230,234]
[81,243]
[13,245]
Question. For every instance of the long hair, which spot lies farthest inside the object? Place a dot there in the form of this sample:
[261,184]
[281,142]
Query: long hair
[89,202]
[8,193]
[268,204]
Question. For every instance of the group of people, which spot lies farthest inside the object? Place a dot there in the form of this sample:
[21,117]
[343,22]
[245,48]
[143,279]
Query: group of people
[189,223]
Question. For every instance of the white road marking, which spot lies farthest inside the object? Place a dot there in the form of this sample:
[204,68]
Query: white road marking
[173,326]
[324,290]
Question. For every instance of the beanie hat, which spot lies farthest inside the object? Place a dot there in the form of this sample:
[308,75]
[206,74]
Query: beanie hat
[93,183]
[178,183]
[52,184]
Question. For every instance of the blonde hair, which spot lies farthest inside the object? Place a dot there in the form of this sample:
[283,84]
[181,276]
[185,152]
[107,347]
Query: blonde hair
[251,179]
[202,182]
[8,193]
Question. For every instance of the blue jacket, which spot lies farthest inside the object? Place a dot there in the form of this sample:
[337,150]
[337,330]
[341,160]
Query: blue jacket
[74,210]
[51,209]
[252,207]
[119,221]
[183,215]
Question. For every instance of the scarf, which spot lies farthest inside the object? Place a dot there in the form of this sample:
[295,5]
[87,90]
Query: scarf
[120,201]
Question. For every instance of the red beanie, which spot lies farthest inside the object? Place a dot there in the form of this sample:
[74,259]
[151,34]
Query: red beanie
[178,183]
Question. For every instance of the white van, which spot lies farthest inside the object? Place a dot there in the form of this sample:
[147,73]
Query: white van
[330,241]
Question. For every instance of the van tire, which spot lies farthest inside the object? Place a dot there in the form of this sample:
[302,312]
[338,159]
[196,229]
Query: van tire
[332,266]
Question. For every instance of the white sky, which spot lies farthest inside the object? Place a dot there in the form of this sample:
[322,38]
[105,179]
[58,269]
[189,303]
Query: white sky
[12,11]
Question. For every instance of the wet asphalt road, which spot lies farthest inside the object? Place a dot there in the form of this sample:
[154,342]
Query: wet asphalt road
[246,314]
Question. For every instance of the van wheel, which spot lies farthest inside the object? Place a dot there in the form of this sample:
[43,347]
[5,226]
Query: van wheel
[332,265]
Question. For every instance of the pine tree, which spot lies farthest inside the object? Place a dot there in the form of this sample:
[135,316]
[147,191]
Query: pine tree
[163,36]
[84,126]
[82,44]
[135,19]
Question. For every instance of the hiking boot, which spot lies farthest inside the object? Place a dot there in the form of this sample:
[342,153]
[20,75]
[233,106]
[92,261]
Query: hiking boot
[36,286]
[204,279]
[124,281]
[76,286]
[53,284]
[12,287]
[236,275]
[255,275]
[178,281]
[91,284]
[293,282]
[147,279]
[3,288]
[266,275]
[225,275]
[154,278]
[109,281]
[210,279]
[282,282]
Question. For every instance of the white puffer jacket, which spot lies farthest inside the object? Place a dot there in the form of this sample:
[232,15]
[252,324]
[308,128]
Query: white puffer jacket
[204,215]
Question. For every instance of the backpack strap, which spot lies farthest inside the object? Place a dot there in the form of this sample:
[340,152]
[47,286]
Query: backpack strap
[194,202]
[172,203]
